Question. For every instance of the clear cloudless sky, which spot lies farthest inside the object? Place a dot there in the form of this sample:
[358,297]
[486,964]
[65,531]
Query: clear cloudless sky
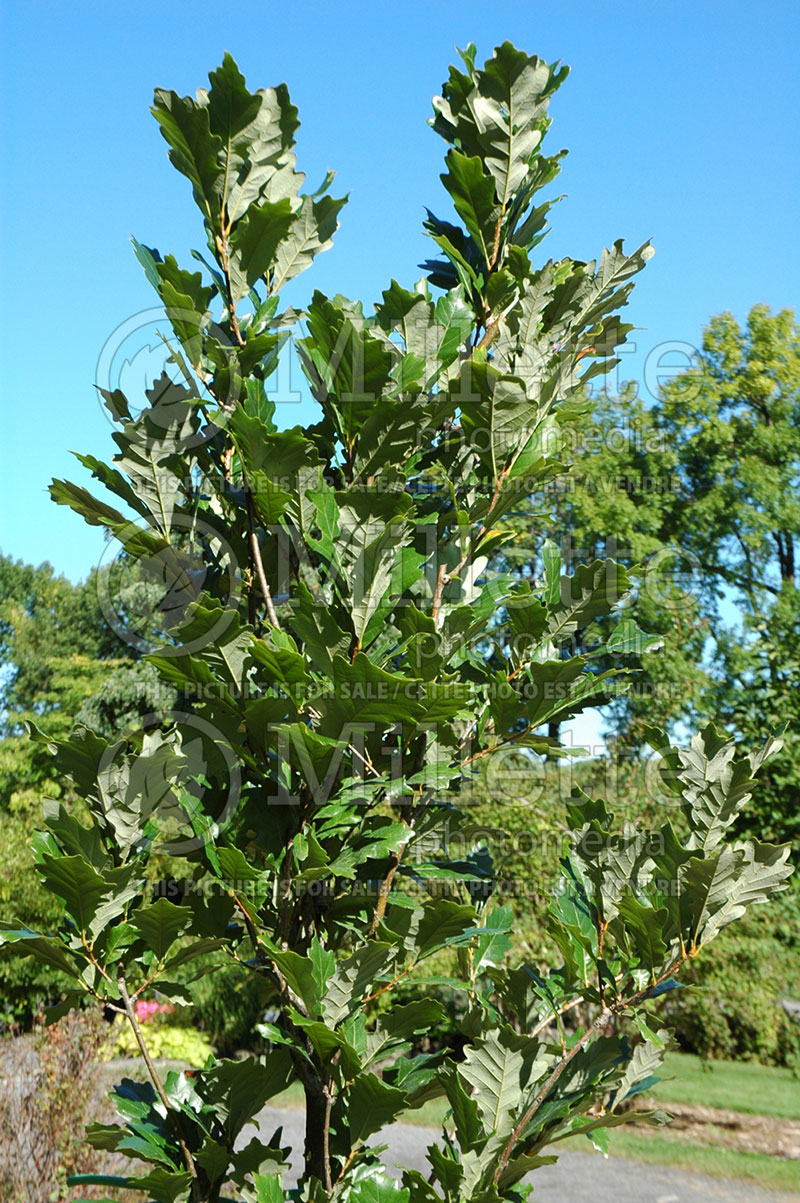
[681,119]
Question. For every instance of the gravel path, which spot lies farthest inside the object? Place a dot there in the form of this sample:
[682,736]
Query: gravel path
[577,1178]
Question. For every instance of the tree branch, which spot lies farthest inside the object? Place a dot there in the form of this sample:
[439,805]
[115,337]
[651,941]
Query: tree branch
[602,1019]
[600,1022]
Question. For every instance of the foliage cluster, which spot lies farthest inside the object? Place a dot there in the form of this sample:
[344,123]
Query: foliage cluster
[353,658]
[700,491]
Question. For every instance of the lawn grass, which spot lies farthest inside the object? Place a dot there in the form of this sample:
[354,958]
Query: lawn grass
[734,1085]
[773,1173]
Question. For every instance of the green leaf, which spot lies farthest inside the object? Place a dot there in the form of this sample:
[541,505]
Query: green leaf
[401,1023]
[352,979]
[214,1158]
[363,693]
[131,787]
[44,949]
[494,1070]
[473,195]
[713,782]
[277,652]
[377,1188]
[167,1186]
[593,591]
[270,460]
[198,948]
[467,1118]
[368,1104]
[639,1073]
[643,928]
[81,887]
[256,131]
[311,232]
[628,637]
[442,922]
[348,367]
[456,320]
[493,940]
[255,241]
[194,150]
[521,1165]
[72,836]
[160,925]
[718,889]
[326,1042]
[268,1189]
[307,976]
[502,419]
[242,877]
[238,1090]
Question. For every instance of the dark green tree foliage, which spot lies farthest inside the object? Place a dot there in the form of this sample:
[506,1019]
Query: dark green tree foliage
[734,420]
[61,663]
[45,621]
[351,672]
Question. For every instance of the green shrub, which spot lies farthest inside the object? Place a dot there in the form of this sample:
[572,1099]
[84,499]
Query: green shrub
[359,666]
[168,1041]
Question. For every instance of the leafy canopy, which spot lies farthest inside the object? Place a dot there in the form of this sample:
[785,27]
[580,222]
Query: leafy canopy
[345,663]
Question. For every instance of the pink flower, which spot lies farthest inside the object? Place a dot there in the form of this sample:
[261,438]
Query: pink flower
[148,1010]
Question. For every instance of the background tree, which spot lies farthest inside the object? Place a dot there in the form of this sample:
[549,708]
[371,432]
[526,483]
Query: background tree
[49,628]
[734,419]
[62,665]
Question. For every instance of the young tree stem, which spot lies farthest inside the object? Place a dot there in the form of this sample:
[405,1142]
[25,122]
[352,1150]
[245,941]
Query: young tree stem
[158,1085]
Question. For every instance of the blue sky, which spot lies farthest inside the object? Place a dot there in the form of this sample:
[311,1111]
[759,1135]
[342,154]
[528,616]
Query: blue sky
[681,121]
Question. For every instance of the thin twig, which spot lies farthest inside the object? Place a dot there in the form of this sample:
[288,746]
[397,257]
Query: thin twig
[326,1140]
[556,1012]
[286,892]
[441,578]
[388,986]
[262,580]
[130,1011]
[384,892]
[496,243]
[222,247]
[255,549]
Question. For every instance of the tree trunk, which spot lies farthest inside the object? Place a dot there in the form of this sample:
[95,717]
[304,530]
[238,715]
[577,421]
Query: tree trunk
[317,1163]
